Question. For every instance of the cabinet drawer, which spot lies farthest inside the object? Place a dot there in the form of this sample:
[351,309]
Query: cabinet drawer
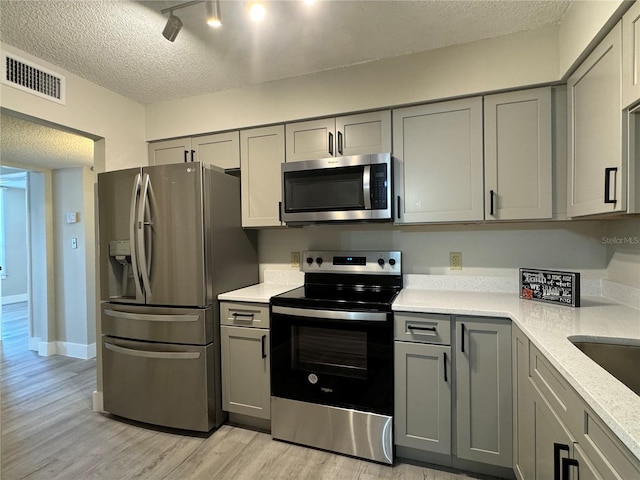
[555,390]
[423,328]
[608,456]
[244,314]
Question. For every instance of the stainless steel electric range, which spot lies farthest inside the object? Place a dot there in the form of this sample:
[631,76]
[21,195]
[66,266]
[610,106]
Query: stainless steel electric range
[332,354]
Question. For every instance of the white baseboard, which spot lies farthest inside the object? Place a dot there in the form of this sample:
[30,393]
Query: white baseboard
[34,344]
[23,297]
[67,349]
[98,401]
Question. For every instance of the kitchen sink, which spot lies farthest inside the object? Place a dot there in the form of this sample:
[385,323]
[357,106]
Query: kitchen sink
[619,359]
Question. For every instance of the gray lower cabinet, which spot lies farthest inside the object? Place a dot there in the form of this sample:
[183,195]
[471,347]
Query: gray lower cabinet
[423,397]
[245,362]
[557,436]
[483,390]
[453,394]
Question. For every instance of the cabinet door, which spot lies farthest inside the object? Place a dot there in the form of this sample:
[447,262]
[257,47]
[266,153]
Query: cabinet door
[517,146]
[484,393]
[310,140]
[438,162]
[423,397]
[596,174]
[261,154]
[364,133]
[631,56]
[246,371]
[523,418]
[170,151]
[221,149]
[551,439]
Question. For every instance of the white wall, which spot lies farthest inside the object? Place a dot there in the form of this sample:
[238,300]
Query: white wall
[89,108]
[511,61]
[16,260]
[72,304]
[622,239]
[491,250]
[584,24]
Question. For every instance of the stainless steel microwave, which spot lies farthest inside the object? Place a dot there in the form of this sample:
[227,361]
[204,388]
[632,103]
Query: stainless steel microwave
[354,188]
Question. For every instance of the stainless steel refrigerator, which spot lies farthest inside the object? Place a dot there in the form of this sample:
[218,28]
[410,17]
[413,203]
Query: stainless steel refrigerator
[170,241]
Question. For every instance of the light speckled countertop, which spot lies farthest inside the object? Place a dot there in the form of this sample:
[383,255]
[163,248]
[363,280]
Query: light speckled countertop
[260,293]
[548,326]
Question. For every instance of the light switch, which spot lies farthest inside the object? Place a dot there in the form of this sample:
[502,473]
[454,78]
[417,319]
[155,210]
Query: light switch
[74,243]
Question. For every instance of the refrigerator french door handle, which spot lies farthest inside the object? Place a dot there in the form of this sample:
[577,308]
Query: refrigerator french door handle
[146,354]
[143,208]
[132,236]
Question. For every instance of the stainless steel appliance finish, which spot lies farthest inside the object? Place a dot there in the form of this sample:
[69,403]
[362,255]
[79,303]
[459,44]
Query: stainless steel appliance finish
[332,354]
[170,241]
[348,431]
[354,188]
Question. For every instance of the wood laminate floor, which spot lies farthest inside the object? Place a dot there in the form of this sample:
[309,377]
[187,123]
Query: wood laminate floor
[49,431]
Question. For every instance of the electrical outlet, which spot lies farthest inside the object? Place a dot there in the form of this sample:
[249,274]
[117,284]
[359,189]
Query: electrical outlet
[295,259]
[455,260]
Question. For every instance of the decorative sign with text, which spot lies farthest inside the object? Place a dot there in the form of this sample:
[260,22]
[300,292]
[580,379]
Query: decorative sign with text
[550,286]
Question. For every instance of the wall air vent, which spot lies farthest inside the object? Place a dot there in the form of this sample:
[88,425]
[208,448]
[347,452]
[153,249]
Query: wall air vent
[32,78]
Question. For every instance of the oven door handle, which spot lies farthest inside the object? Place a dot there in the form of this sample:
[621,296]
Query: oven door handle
[331,314]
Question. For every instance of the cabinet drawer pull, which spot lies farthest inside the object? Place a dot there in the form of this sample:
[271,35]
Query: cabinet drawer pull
[568,463]
[557,448]
[263,342]
[607,185]
[444,362]
[421,329]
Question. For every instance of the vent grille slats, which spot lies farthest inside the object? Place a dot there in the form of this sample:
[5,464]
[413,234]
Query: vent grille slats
[33,78]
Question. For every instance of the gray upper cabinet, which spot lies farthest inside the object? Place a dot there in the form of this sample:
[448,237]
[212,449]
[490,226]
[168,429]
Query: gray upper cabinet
[631,56]
[438,162]
[262,153]
[341,136]
[596,164]
[518,155]
[483,390]
[220,149]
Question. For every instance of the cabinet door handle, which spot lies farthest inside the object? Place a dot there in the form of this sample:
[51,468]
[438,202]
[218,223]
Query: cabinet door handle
[557,448]
[491,193]
[331,144]
[444,361]
[340,143]
[424,329]
[280,212]
[462,337]
[568,463]
[398,206]
[263,343]
[192,154]
[607,185]
[186,155]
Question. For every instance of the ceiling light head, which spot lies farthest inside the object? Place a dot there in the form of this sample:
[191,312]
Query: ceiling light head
[257,12]
[172,28]
[213,13]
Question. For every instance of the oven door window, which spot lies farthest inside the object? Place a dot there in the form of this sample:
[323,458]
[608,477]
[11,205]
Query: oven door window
[324,190]
[335,352]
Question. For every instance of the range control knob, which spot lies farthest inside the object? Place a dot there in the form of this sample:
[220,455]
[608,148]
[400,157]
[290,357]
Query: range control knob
[319,260]
[381,261]
[309,260]
[392,262]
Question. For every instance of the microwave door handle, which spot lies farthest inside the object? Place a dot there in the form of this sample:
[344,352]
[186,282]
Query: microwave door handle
[132,235]
[366,186]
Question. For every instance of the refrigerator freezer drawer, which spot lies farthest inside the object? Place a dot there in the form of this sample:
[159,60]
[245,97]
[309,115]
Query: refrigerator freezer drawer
[192,326]
[159,383]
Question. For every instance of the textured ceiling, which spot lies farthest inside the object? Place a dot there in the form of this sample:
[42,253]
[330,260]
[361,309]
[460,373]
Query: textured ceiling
[27,144]
[119,45]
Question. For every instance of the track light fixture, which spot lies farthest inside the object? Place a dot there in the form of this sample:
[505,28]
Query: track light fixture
[174,24]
